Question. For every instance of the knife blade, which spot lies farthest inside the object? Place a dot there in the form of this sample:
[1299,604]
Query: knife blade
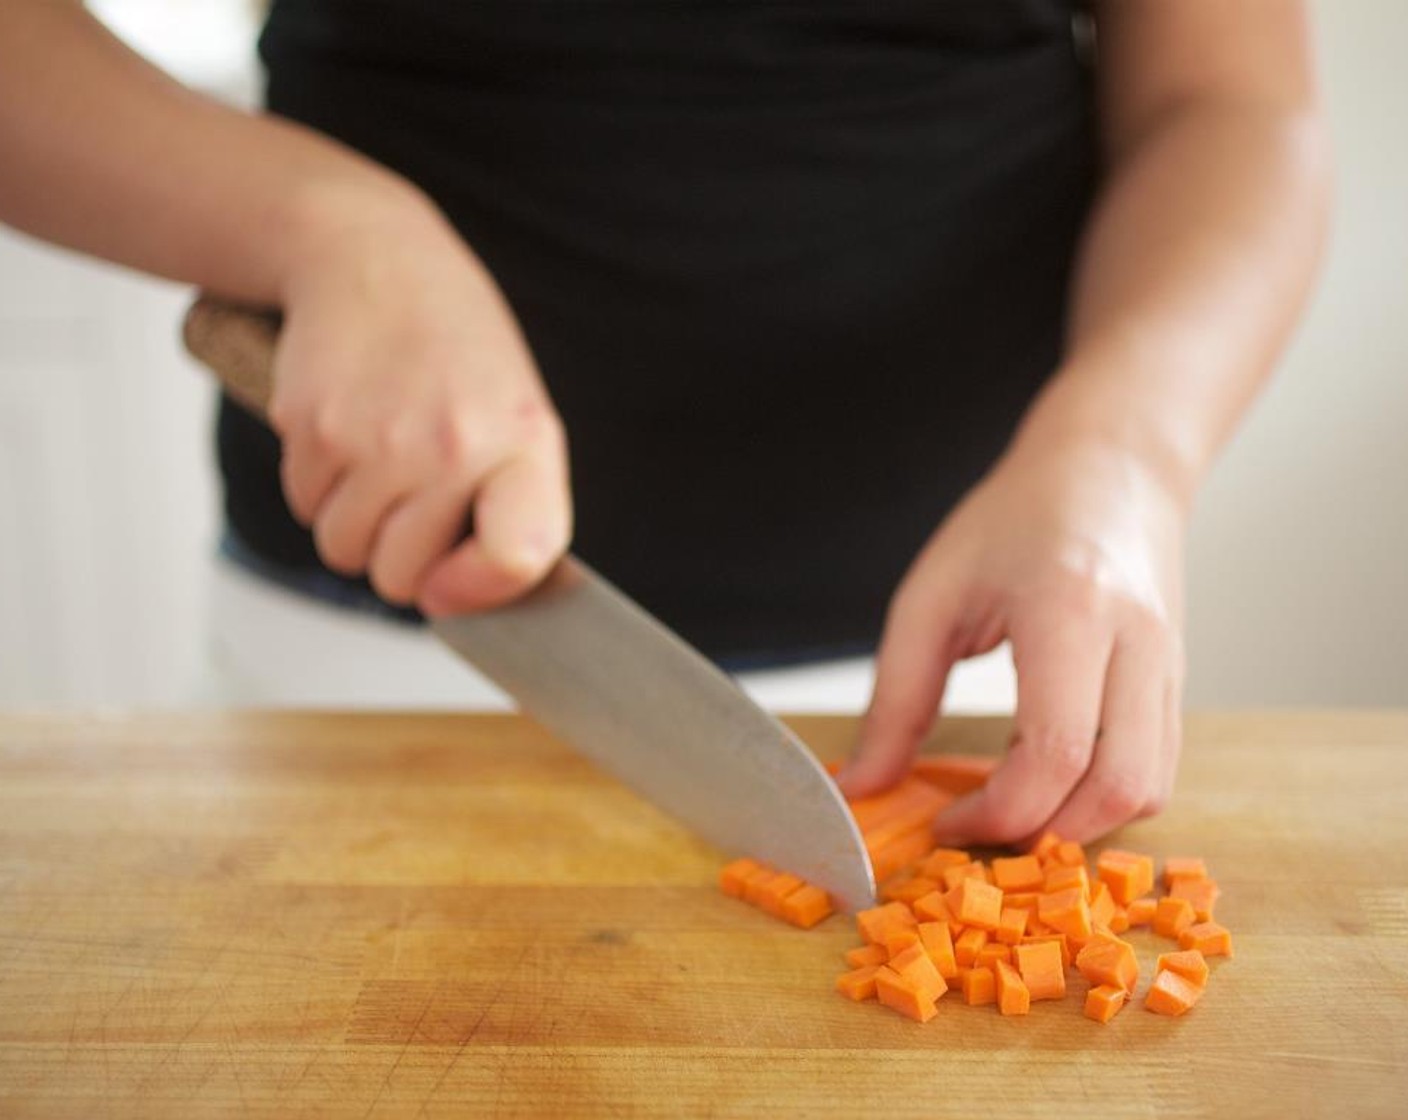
[616,684]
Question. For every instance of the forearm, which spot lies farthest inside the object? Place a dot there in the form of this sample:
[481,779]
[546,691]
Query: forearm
[1196,262]
[105,154]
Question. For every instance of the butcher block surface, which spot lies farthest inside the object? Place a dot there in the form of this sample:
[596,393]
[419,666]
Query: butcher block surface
[284,915]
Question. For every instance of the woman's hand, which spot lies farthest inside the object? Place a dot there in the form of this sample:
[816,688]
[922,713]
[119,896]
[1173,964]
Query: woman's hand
[405,397]
[1073,551]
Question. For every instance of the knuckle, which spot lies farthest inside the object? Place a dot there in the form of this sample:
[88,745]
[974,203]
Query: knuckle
[460,443]
[337,552]
[395,436]
[325,433]
[1119,795]
[1063,753]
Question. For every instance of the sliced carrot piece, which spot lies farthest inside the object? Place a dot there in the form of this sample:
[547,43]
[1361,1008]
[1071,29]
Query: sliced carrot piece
[899,940]
[755,885]
[879,921]
[1041,969]
[954,773]
[897,854]
[916,967]
[1012,924]
[938,943]
[1106,959]
[1021,873]
[1128,874]
[1202,893]
[1209,938]
[866,954]
[907,804]
[806,906]
[1045,845]
[1104,1002]
[772,893]
[952,876]
[1058,939]
[1023,900]
[933,907]
[1141,911]
[1188,963]
[1171,994]
[859,983]
[1183,867]
[1059,877]
[909,890]
[1119,920]
[940,860]
[897,993]
[976,903]
[991,953]
[1102,905]
[1068,912]
[979,987]
[969,943]
[1069,854]
[735,874]
[1012,995]
[1172,916]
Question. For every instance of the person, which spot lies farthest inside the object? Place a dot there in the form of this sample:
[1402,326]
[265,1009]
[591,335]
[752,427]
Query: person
[882,322]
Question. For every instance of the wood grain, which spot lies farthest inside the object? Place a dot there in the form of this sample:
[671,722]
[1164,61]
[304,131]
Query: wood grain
[298,915]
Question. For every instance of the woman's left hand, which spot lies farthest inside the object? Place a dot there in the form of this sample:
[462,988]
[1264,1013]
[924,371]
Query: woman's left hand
[1071,549]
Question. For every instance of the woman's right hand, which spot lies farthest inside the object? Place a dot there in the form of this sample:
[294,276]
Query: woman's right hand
[406,397]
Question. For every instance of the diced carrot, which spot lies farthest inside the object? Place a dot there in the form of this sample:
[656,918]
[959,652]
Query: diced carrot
[806,906]
[879,921]
[991,953]
[899,940]
[1141,911]
[1058,939]
[1068,912]
[859,983]
[1172,916]
[1059,877]
[1128,874]
[1209,938]
[735,874]
[1041,969]
[772,894]
[916,967]
[1045,846]
[866,954]
[1188,963]
[1023,900]
[1108,960]
[1119,920]
[1103,1003]
[1202,893]
[1012,924]
[897,993]
[975,903]
[1021,873]
[907,890]
[900,852]
[1069,853]
[952,876]
[1183,867]
[954,773]
[933,907]
[1102,905]
[756,884]
[965,949]
[1171,994]
[1012,995]
[940,860]
[979,987]
[937,942]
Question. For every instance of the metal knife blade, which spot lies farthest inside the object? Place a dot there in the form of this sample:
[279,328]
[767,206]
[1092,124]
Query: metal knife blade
[596,669]
[613,682]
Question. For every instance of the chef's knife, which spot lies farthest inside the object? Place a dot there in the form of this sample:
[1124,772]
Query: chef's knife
[615,683]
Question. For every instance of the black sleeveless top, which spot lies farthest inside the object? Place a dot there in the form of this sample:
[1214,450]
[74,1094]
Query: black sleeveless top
[791,270]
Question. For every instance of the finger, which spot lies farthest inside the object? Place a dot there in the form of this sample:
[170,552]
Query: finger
[1172,747]
[413,536]
[1128,759]
[308,477]
[911,670]
[349,517]
[522,525]
[1060,677]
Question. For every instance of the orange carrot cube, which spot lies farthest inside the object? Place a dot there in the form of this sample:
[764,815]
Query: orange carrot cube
[938,943]
[1104,1002]
[1021,873]
[940,860]
[966,948]
[1172,916]
[1209,938]
[1183,867]
[979,987]
[1171,994]
[1108,960]
[1128,874]
[866,954]
[1011,924]
[991,953]
[735,874]
[1041,969]
[859,983]
[915,966]
[1188,963]
[1012,995]
[976,903]
[1202,893]
[878,922]
[897,993]
[1067,912]
[1141,911]
[806,906]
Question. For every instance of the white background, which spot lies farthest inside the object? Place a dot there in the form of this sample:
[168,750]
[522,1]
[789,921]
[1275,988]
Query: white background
[1299,548]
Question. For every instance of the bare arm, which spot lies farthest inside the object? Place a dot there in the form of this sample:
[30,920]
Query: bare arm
[1193,269]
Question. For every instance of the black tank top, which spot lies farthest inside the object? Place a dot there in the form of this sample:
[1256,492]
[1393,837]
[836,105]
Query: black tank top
[791,270]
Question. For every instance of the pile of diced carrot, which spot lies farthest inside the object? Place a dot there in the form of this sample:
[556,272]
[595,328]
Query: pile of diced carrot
[1007,932]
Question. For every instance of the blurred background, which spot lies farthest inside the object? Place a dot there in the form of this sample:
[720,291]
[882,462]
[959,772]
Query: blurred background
[1298,583]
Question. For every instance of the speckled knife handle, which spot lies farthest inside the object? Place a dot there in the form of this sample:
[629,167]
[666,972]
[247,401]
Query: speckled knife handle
[237,343]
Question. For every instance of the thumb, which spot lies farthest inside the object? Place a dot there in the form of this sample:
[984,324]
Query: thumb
[911,669]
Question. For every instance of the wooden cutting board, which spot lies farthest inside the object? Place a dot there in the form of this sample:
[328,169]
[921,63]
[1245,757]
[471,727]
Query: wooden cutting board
[290,915]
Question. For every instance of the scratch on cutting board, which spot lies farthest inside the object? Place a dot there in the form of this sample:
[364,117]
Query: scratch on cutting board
[1300,1057]
[400,1054]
